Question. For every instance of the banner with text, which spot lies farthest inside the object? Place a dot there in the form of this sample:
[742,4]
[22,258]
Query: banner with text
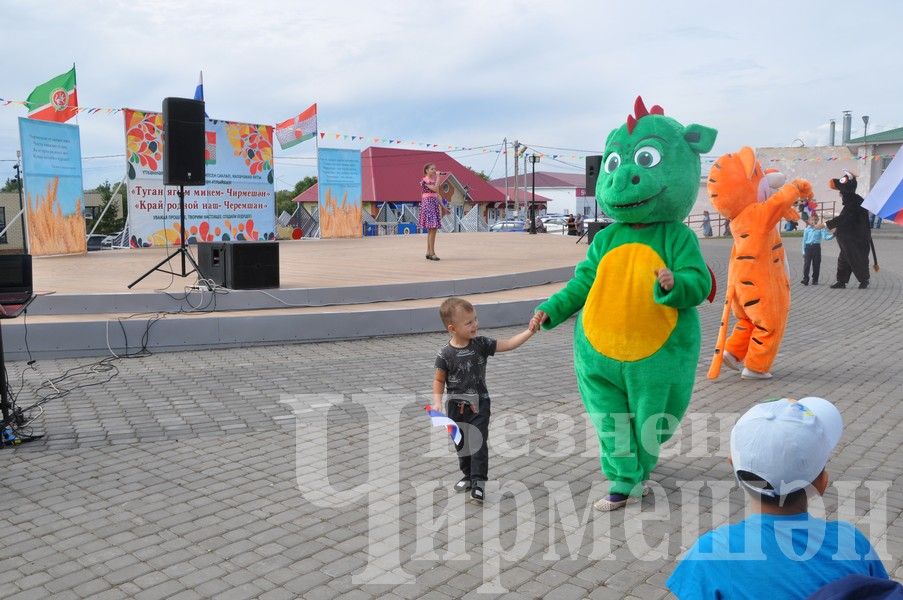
[52,163]
[237,203]
[339,193]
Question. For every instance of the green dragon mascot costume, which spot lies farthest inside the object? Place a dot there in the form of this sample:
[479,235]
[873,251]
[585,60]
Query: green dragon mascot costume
[637,337]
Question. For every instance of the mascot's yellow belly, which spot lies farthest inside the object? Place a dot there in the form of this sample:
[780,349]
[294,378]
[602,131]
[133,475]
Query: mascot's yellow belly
[621,319]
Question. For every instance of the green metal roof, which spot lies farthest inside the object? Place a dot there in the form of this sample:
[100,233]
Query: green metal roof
[891,135]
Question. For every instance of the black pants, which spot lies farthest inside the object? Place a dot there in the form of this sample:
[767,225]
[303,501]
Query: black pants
[473,453]
[811,258]
[854,258]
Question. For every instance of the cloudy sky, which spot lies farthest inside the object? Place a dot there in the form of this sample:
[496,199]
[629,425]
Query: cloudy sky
[552,74]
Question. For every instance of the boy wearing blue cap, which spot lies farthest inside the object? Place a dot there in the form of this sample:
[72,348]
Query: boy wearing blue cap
[779,450]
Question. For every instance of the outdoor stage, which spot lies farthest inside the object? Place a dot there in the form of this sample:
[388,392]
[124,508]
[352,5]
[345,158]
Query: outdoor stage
[330,289]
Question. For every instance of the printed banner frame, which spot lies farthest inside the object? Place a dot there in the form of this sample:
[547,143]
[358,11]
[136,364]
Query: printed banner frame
[54,192]
[238,201]
[339,190]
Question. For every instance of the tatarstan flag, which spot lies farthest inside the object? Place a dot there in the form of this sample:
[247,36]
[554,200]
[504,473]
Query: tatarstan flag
[55,100]
[297,129]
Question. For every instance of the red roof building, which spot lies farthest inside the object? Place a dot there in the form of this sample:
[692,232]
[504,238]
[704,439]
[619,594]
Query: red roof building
[545,179]
[565,191]
[524,196]
[394,174]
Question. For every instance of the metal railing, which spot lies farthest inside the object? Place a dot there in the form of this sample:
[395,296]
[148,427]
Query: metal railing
[826,210]
[473,221]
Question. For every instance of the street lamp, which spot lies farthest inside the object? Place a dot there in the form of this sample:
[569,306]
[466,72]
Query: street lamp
[533,160]
[865,121]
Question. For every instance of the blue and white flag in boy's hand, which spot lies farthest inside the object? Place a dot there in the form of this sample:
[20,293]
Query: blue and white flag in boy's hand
[440,420]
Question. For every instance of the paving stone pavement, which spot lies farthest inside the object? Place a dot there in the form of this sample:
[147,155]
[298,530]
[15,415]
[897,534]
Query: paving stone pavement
[309,471]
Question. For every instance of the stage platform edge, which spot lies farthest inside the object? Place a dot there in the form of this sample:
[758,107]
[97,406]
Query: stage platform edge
[101,336]
[232,300]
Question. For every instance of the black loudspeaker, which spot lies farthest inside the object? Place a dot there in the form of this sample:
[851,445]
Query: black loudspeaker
[252,265]
[240,265]
[593,164]
[211,262]
[183,144]
[592,228]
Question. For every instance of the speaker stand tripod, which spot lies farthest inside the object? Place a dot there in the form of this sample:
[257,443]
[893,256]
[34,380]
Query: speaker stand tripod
[181,250]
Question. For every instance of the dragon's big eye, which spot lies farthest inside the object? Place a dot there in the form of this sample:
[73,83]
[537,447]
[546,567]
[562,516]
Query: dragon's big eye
[612,162]
[647,157]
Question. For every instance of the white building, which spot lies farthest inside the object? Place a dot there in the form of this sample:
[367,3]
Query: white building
[565,191]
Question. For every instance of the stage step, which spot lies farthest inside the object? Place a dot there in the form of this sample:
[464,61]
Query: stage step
[228,300]
[120,333]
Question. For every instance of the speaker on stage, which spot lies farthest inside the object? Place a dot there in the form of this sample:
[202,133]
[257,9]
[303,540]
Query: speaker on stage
[183,144]
[252,265]
[592,228]
[593,164]
[240,265]
[212,262]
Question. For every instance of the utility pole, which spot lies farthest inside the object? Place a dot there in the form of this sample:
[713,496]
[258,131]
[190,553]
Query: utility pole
[525,183]
[507,196]
[516,151]
[532,212]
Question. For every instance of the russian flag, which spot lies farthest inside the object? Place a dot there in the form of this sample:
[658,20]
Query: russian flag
[199,90]
[441,420]
[886,197]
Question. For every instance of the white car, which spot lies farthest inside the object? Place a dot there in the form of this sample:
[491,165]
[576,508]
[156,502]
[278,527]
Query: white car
[508,225]
[555,224]
[605,221]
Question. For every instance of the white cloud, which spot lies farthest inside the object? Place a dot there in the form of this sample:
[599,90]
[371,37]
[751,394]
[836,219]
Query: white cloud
[464,73]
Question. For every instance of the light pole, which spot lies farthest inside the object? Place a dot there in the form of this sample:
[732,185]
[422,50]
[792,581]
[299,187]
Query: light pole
[533,160]
[865,122]
[525,182]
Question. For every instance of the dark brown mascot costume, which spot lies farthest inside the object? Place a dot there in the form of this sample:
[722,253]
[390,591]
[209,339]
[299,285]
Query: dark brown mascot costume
[851,227]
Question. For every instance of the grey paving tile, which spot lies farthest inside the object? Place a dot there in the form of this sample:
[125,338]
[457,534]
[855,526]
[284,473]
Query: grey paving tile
[143,488]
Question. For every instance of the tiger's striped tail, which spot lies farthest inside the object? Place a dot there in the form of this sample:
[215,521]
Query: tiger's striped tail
[715,368]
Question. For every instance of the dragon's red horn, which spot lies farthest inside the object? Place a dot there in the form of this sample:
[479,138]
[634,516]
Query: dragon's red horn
[640,111]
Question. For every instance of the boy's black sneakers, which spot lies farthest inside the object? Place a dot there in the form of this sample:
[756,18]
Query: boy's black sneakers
[476,493]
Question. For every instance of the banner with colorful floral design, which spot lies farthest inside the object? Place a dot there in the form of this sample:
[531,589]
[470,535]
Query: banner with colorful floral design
[237,203]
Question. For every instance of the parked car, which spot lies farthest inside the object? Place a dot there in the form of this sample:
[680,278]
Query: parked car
[95,241]
[605,221]
[508,225]
[555,224]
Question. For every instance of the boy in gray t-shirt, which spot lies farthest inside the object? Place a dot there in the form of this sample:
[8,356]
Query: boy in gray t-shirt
[461,376]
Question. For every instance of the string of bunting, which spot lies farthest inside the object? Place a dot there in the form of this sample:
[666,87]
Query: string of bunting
[90,110]
[712,159]
[324,135]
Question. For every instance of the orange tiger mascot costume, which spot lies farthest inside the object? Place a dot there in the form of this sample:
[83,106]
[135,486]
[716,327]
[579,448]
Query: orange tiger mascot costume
[757,290]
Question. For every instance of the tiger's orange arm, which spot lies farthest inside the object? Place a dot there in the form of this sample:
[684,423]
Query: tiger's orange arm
[781,202]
